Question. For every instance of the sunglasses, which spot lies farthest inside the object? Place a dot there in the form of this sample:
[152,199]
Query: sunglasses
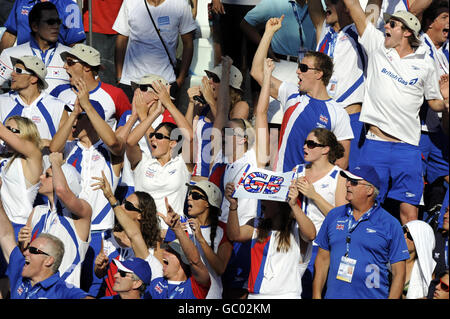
[408,234]
[444,286]
[71,62]
[355,182]
[12,129]
[311,144]
[21,71]
[129,206]
[304,68]
[145,87]
[53,21]
[158,136]
[122,273]
[36,251]
[392,23]
[197,196]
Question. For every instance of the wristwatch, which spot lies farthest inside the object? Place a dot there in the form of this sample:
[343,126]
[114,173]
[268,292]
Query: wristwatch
[115,204]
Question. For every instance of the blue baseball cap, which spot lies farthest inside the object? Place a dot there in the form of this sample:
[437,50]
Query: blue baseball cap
[138,266]
[363,172]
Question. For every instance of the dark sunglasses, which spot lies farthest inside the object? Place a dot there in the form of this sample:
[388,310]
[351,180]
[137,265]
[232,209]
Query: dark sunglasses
[12,129]
[158,136]
[36,251]
[311,144]
[392,23]
[444,286]
[145,87]
[408,234]
[129,206]
[122,273]
[197,196]
[355,182]
[53,21]
[304,68]
[71,62]
[21,71]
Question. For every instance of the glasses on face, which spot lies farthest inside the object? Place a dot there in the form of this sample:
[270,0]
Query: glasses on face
[12,129]
[197,196]
[129,206]
[53,21]
[214,78]
[122,273]
[71,62]
[311,144]
[145,87]
[21,71]
[408,234]
[392,23]
[304,67]
[36,251]
[444,286]
[355,182]
[158,136]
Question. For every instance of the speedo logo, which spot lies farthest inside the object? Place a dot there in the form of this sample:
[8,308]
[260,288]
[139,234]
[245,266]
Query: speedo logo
[399,79]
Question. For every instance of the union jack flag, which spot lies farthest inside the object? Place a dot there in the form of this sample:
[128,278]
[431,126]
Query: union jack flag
[340,226]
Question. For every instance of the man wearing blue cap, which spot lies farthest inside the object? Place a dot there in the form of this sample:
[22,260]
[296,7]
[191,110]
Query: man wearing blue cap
[132,277]
[357,242]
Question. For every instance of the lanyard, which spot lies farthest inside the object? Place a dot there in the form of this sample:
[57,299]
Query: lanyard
[352,227]
[44,55]
[300,21]
[446,252]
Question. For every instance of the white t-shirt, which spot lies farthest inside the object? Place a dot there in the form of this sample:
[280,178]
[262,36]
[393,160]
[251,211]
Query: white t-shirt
[56,75]
[163,181]
[145,53]
[45,111]
[396,87]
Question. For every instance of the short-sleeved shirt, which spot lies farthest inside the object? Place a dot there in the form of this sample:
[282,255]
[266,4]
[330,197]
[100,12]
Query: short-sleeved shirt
[112,99]
[375,242]
[161,288]
[285,41]
[71,30]
[409,79]
[51,288]
[45,111]
[145,53]
[56,75]
[302,114]
[104,14]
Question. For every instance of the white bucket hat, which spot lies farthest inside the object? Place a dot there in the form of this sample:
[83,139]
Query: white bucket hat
[85,53]
[34,64]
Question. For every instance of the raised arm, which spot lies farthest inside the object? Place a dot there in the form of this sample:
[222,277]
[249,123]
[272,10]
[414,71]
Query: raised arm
[235,232]
[77,206]
[64,131]
[257,70]
[131,228]
[317,15]
[7,238]
[261,122]
[358,15]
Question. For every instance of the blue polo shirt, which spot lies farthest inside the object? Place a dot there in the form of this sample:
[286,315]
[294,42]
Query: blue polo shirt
[71,30]
[51,288]
[375,242]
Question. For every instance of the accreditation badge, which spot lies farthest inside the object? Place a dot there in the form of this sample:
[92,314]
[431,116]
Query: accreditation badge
[346,269]
[332,87]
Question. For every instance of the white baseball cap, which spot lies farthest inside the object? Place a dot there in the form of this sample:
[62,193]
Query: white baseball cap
[34,64]
[235,75]
[211,190]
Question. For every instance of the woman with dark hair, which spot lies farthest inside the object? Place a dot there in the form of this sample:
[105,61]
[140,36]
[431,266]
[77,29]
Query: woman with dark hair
[321,187]
[203,206]
[164,172]
[136,234]
[276,245]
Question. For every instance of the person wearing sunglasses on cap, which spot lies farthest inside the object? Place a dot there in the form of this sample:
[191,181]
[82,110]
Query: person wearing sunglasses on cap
[203,207]
[136,234]
[28,97]
[165,172]
[65,216]
[391,116]
[185,275]
[439,287]
[420,266]
[131,279]
[34,273]
[354,253]
[83,62]
[44,23]
[92,147]
[306,105]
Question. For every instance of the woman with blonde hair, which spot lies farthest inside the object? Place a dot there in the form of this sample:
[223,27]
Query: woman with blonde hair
[20,166]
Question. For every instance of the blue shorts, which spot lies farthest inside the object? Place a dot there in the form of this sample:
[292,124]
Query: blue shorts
[434,147]
[399,164]
[357,141]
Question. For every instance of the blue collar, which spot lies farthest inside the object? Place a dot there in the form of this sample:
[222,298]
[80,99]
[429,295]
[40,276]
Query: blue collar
[35,45]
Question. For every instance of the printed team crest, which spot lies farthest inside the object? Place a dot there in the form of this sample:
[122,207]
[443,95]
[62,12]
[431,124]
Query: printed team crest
[24,12]
[323,119]
[95,157]
[36,119]
[150,172]
[340,226]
